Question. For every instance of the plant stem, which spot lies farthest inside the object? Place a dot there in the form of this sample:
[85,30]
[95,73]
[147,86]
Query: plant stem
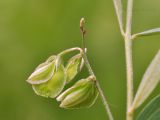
[129,64]
[103,98]
[128,52]
[70,50]
[119,13]
[129,17]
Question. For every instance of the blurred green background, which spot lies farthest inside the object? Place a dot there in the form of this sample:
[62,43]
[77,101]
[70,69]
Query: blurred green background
[32,30]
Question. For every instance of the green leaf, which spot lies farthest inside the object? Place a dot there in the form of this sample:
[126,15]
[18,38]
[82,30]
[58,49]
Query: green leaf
[52,87]
[151,111]
[147,32]
[149,81]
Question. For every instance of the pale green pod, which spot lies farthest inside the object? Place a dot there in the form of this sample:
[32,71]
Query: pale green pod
[43,72]
[81,95]
[54,86]
[80,84]
[74,65]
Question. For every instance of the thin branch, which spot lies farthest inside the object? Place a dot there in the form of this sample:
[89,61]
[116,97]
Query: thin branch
[70,50]
[104,100]
[129,17]
[84,55]
[119,13]
[146,33]
[129,63]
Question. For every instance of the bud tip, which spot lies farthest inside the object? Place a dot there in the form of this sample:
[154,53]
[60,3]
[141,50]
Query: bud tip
[82,22]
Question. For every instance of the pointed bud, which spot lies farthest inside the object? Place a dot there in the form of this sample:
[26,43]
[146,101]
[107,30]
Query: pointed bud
[82,23]
[43,72]
[52,87]
[74,65]
[83,94]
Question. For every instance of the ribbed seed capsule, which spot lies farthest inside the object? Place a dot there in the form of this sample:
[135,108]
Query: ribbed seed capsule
[74,65]
[52,87]
[43,72]
[49,78]
[82,94]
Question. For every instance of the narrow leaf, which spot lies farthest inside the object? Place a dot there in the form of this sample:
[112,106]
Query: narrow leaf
[149,81]
[147,33]
[151,111]
[119,12]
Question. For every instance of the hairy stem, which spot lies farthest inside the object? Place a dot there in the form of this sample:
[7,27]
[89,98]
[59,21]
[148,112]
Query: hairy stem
[129,64]
[119,13]
[104,100]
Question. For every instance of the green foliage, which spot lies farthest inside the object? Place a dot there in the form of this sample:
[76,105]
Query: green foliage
[149,81]
[151,111]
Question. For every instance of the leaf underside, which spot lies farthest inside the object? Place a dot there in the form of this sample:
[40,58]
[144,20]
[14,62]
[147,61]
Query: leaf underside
[151,111]
[149,81]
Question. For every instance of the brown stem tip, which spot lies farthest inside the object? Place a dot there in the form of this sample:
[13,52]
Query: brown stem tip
[82,23]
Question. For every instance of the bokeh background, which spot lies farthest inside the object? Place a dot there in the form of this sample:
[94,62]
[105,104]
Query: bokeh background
[32,30]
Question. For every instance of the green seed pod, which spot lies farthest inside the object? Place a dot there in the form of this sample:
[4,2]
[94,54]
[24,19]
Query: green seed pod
[43,72]
[83,94]
[52,87]
[74,65]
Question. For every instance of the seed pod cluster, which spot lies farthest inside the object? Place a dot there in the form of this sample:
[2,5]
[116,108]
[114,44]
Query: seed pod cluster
[50,77]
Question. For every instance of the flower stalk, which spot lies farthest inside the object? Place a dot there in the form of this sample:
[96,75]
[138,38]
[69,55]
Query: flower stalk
[70,50]
[86,61]
[128,50]
[129,61]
